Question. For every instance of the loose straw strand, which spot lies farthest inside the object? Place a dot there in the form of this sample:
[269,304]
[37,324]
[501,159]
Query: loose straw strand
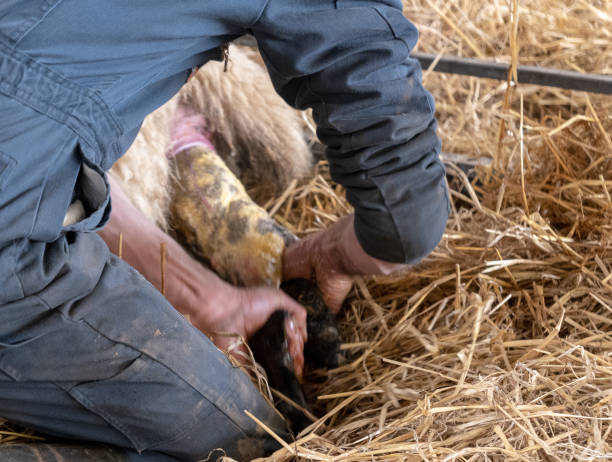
[162,251]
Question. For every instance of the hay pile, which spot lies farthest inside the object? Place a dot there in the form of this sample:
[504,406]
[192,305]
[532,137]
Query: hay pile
[499,345]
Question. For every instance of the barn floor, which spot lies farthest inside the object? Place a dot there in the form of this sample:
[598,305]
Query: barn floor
[497,346]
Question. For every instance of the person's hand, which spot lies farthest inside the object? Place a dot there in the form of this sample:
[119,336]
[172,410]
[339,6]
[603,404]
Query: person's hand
[213,305]
[231,310]
[331,258]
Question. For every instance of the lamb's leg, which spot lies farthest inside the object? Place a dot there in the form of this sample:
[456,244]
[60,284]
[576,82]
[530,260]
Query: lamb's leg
[259,136]
[213,215]
[262,138]
[215,218]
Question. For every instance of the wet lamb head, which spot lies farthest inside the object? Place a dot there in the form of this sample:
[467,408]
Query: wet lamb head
[321,351]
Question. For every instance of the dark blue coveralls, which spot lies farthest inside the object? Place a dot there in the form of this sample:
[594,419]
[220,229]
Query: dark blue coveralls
[89,349]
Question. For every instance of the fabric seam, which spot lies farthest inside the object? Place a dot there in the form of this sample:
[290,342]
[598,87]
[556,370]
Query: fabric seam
[14,255]
[43,186]
[259,15]
[391,29]
[373,179]
[392,215]
[10,165]
[31,25]
[89,405]
[43,71]
[168,368]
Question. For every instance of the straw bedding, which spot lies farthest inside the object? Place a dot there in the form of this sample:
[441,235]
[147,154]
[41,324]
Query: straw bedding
[499,345]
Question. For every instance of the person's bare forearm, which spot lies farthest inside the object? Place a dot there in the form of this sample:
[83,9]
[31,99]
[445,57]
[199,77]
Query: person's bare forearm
[212,304]
[142,241]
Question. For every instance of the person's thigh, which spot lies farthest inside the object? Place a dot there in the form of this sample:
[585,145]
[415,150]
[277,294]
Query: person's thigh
[73,318]
[132,370]
[48,408]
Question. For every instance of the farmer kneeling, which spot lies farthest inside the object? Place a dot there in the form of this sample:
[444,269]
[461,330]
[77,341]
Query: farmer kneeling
[89,350]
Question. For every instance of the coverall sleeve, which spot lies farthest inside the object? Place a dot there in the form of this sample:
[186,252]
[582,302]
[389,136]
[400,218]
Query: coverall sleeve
[349,60]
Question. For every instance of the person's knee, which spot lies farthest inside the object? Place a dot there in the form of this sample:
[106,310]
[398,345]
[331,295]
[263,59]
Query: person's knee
[197,444]
[210,428]
[158,410]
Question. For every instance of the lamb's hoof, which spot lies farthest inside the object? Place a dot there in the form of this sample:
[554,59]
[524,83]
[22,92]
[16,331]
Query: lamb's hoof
[321,351]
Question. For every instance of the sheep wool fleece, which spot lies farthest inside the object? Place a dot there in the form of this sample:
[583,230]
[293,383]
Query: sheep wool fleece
[88,349]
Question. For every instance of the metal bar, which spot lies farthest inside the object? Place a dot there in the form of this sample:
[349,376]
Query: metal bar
[559,78]
[569,80]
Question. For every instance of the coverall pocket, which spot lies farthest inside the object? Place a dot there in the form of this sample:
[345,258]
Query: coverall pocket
[18,17]
[93,194]
[17,344]
[147,402]
[7,163]
[18,326]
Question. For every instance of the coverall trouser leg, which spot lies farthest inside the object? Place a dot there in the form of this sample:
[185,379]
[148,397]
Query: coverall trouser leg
[89,349]
[77,77]
[121,366]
